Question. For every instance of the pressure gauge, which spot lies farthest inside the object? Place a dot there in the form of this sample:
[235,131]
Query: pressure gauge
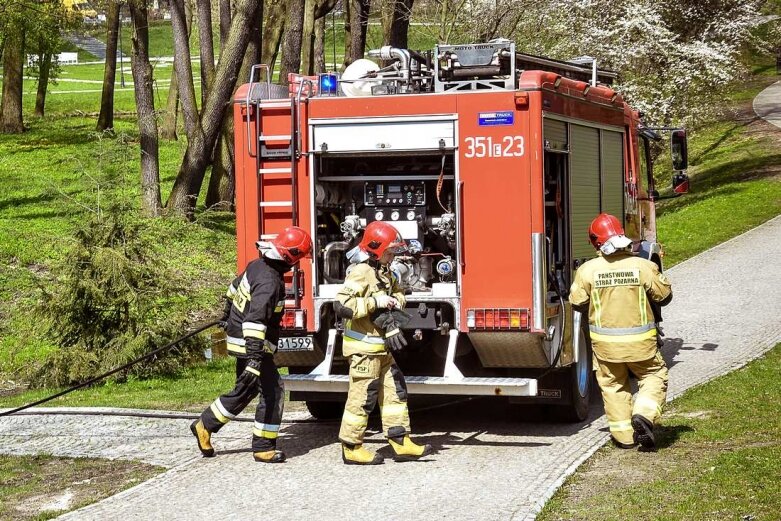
[379,215]
[395,215]
[410,215]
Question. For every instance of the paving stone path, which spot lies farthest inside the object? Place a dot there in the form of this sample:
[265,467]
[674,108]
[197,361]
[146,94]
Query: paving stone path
[725,312]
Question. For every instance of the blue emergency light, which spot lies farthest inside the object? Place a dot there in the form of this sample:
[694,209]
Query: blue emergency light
[329,83]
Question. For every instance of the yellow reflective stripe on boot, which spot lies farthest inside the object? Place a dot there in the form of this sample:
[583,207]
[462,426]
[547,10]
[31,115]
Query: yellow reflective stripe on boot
[220,412]
[647,408]
[354,419]
[252,370]
[266,430]
[620,426]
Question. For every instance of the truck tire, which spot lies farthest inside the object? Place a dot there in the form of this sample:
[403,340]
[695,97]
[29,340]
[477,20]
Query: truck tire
[577,384]
[325,410]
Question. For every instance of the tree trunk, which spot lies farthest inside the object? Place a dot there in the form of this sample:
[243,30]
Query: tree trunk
[291,47]
[273,25]
[320,46]
[190,178]
[13,68]
[169,130]
[183,67]
[106,116]
[395,22]
[168,127]
[222,180]
[225,21]
[308,38]
[145,107]
[44,66]
[206,46]
[359,23]
[347,9]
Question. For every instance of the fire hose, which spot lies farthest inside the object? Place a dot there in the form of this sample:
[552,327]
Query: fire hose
[113,371]
[164,415]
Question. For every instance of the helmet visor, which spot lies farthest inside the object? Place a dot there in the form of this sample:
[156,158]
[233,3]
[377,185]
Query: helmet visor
[398,245]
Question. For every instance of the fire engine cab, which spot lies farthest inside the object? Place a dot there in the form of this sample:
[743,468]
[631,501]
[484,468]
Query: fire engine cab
[491,163]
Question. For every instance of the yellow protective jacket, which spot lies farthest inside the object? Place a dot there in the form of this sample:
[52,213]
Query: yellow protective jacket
[621,321]
[363,281]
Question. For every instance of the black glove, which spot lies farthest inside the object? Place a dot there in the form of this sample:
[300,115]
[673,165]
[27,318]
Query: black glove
[391,323]
[396,341]
[226,311]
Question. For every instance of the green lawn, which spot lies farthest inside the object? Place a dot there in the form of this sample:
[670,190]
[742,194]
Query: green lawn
[719,458]
[735,167]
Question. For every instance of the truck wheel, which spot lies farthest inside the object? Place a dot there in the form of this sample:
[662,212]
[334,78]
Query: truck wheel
[579,381]
[325,410]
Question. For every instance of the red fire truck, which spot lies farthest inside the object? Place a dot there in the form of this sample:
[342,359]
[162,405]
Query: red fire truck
[491,163]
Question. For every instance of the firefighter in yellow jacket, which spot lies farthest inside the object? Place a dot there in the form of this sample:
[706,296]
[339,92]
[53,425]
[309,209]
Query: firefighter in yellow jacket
[368,302]
[618,288]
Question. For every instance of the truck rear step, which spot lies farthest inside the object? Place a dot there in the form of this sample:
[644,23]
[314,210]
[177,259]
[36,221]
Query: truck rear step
[452,382]
[470,386]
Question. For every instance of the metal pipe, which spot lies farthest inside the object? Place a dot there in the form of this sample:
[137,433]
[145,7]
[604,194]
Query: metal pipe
[392,53]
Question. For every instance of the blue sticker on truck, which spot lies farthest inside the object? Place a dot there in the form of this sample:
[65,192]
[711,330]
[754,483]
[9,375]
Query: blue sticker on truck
[502,117]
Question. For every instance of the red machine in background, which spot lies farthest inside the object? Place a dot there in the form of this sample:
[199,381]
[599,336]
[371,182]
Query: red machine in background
[491,163]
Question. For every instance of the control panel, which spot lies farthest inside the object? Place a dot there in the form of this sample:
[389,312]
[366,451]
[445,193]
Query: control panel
[404,193]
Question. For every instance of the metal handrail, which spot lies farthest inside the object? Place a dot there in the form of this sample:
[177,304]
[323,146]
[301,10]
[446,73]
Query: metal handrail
[295,152]
[249,97]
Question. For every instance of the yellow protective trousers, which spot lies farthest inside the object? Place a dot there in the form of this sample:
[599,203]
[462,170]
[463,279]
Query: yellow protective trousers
[374,378]
[613,379]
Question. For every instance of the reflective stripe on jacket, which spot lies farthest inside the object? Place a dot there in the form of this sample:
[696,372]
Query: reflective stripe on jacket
[258,297]
[363,281]
[621,321]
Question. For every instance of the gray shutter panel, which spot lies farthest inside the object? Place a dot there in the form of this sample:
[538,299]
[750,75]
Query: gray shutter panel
[613,174]
[555,135]
[584,187]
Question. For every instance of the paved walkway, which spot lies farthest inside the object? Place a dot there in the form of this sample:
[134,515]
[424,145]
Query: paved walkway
[726,311]
[767,104]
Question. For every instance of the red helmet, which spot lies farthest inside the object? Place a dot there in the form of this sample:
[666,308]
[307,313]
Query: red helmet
[604,228]
[380,237]
[293,244]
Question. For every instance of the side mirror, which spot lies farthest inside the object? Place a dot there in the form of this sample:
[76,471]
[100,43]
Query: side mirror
[678,149]
[680,183]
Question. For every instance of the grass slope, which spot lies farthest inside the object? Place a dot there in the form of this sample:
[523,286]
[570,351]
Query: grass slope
[719,458]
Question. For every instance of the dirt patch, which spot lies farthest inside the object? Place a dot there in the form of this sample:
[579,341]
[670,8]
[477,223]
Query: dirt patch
[34,486]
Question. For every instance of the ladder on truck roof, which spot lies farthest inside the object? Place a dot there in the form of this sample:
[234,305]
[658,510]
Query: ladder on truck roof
[277,151]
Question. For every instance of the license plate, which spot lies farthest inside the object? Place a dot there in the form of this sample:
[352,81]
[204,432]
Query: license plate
[295,343]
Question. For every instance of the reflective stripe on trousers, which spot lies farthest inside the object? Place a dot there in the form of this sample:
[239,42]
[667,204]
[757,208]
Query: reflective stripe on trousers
[613,379]
[373,379]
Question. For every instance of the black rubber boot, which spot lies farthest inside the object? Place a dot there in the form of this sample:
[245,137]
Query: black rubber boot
[644,433]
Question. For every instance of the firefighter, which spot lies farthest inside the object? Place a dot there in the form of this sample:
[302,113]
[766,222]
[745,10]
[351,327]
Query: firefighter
[620,288]
[371,302]
[253,311]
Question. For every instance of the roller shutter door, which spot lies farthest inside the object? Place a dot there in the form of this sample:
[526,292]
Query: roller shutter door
[555,134]
[613,174]
[584,187]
